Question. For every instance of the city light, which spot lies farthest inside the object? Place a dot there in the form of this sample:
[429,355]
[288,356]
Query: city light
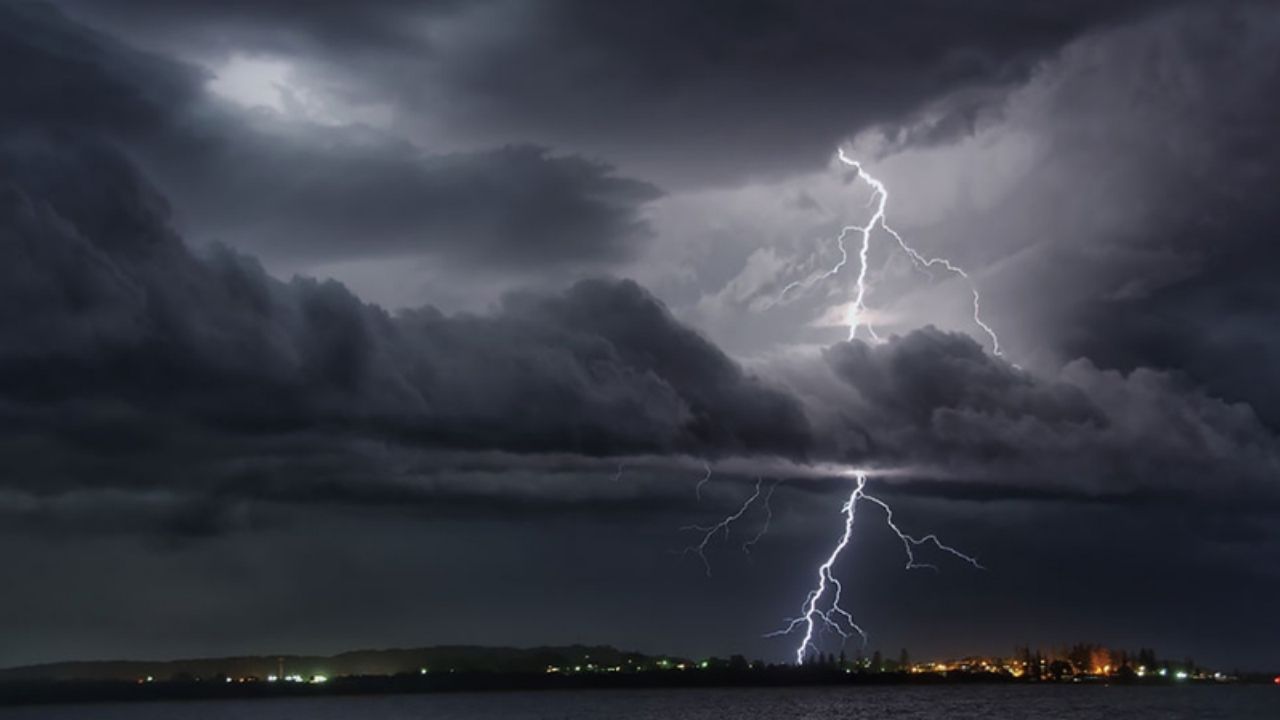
[1078,663]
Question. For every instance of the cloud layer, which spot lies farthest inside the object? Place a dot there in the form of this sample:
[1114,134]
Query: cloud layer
[128,352]
[688,92]
[313,193]
[207,415]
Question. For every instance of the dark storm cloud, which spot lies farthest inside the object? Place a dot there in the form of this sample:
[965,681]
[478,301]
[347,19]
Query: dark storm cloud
[512,208]
[109,319]
[1144,233]
[273,23]
[1205,301]
[291,439]
[305,192]
[129,357]
[936,400]
[689,90]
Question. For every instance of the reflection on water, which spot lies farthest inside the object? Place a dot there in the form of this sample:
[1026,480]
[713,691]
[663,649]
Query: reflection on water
[847,703]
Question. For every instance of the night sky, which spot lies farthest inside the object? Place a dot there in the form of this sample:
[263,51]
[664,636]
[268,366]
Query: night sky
[328,326]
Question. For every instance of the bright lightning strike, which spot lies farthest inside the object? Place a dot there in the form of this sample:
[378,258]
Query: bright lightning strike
[822,609]
[811,613]
[909,542]
[881,198]
[858,308]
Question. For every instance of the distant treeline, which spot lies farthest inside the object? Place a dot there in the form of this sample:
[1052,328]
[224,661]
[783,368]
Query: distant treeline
[470,668]
[445,658]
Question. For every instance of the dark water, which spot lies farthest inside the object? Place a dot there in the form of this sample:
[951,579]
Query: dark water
[882,703]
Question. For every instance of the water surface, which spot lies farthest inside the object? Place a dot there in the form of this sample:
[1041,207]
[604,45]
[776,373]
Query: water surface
[999,702]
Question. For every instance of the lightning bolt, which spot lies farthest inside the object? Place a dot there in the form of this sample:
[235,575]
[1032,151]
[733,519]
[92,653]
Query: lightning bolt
[697,489]
[709,532]
[909,542]
[811,613]
[822,609]
[858,305]
[768,519]
[858,308]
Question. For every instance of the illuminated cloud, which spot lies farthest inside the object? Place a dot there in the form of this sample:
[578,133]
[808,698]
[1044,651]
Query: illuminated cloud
[382,292]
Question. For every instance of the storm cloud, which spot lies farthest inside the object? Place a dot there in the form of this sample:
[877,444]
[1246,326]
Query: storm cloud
[128,351]
[937,400]
[314,193]
[109,312]
[205,389]
[688,92]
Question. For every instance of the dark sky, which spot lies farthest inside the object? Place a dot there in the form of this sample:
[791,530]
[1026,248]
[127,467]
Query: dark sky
[340,325]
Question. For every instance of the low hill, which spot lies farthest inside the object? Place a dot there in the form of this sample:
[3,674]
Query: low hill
[446,658]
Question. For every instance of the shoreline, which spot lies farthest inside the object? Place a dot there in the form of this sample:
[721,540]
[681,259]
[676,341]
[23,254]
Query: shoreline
[113,691]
